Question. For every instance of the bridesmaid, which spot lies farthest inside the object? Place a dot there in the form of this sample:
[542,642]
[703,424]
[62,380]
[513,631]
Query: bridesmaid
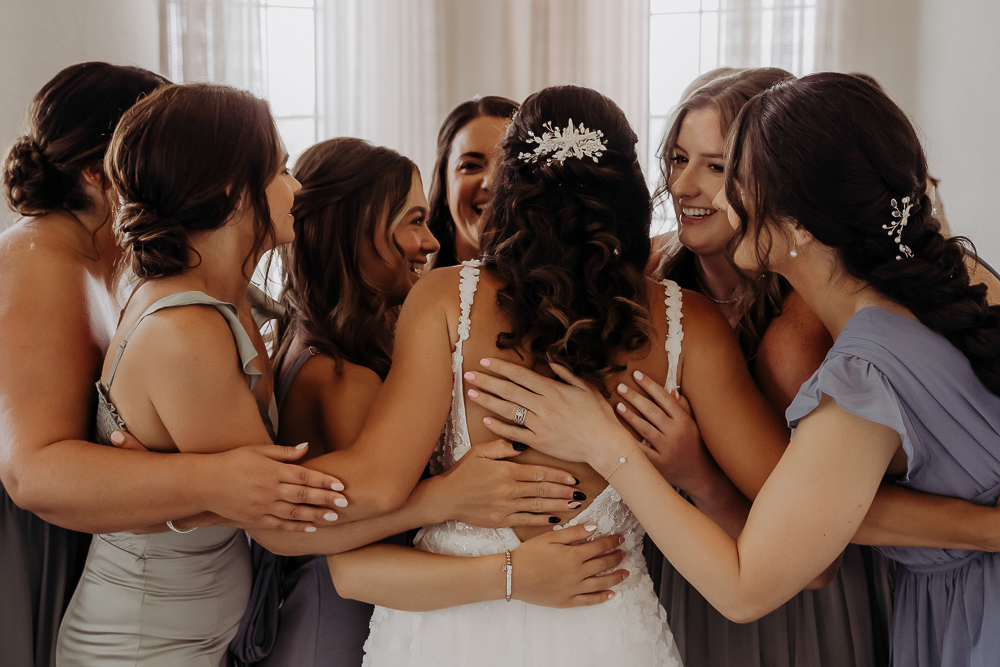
[468,147]
[57,313]
[846,622]
[199,174]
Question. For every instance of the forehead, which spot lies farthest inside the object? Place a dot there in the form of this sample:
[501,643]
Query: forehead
[479,135]
[700,132]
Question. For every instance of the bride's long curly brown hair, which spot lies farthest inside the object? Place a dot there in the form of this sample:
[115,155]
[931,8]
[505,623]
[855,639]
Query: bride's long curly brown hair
[571,239]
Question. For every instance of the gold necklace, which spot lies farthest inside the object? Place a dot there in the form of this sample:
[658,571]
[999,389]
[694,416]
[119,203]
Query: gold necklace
[721,302]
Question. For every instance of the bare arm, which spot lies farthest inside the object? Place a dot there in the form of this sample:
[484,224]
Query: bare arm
[549,570]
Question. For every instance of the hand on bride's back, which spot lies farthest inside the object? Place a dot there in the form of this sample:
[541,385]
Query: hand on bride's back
[484,489]
[560,569]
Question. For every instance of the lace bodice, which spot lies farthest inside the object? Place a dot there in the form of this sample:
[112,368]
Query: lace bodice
[607,510]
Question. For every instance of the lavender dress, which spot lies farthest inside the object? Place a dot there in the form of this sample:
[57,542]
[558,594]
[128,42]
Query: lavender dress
[894,371]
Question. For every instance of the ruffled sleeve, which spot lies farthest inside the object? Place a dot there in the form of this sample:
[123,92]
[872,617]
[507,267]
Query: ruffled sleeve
[861,389]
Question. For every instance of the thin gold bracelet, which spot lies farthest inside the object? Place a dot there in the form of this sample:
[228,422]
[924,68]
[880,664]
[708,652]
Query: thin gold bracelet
[621,461]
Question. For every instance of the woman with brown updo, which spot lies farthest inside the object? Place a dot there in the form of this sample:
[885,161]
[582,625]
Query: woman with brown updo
[203,190]
[57,314]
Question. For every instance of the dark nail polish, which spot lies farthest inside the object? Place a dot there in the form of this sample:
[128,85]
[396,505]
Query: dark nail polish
[519,446]
[576,481]
[579,495]
[554,519]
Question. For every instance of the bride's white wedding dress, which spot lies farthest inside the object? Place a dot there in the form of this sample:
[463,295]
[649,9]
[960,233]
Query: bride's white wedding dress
[630,629]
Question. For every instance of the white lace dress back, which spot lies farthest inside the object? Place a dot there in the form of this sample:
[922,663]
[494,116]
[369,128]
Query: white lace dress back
[630,629]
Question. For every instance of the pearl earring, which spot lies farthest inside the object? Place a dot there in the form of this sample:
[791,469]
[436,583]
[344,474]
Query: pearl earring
[794,253]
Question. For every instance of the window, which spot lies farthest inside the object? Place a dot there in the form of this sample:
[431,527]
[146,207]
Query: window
[691,37]
[288,47]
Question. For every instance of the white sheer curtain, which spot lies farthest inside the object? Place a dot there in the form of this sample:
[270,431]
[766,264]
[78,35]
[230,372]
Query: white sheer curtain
[212,40]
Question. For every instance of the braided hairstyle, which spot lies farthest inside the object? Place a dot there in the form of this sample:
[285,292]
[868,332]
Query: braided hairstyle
[181,162]
[831,152]
[349,187]
[69,124]
[571,239]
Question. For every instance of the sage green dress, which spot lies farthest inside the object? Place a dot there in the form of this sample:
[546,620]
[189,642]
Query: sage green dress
[166,599]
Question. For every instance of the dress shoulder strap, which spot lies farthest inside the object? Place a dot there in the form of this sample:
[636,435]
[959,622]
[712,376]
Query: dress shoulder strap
[467,292]
[675,331]
[290,370]
[244,344]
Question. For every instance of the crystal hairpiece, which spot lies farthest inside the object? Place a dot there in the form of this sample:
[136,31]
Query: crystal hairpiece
[899,224]
[560,143]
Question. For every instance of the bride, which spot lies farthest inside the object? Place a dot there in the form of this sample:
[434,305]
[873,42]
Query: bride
[562,281]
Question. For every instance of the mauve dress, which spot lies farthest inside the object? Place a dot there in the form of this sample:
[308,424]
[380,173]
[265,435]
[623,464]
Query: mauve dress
[894,371]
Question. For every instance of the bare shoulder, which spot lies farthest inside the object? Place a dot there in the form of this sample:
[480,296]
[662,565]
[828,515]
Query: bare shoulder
[792,348]
[320,374]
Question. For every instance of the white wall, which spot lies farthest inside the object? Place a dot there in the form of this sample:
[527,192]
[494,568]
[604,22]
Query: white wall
[40,37]
[958,108]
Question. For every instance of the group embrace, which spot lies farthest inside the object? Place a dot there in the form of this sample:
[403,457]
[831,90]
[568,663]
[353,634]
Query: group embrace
[567,444]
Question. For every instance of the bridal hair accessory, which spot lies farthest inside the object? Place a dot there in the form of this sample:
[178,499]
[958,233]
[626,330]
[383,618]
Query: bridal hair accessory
[509,569]
[622,461]
[170,525]
[558,143]
[897,226]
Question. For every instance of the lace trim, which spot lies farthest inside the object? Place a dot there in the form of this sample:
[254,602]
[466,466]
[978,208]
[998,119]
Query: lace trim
[675,332]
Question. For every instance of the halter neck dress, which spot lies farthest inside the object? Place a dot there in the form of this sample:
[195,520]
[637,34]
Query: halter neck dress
[167,598]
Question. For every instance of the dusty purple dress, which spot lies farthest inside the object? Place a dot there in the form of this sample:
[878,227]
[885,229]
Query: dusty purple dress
[894,371]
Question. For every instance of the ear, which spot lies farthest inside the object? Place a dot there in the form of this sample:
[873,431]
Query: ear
[801,236]
[93,175]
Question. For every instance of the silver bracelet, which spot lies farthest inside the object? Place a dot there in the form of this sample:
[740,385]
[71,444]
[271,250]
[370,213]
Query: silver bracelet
[509,569]
[170,525]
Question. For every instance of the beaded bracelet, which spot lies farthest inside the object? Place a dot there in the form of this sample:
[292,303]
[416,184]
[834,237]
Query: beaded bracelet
[509,569]
[621,461]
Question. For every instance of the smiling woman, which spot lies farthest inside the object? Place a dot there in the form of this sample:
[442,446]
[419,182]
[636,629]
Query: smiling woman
[468,148]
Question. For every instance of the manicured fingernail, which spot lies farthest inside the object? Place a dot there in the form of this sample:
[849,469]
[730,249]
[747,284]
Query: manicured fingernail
[302,445]
[621,540]
[590,527]
[611,595]
[519,446]
[340,502]
[637,375]
[622,389]
[620,407]
[473,393]
[579,495]
[573,505]
[485,362]
[337,486]
[330,516]
[487,421]
[118,437]
[554,519]
[310,529]
[470,376]
[573,480]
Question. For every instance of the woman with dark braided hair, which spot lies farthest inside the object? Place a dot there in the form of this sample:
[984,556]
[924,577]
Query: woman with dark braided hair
[827,185]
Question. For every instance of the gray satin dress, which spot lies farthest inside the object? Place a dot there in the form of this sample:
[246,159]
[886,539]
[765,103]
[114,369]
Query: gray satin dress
[165,599]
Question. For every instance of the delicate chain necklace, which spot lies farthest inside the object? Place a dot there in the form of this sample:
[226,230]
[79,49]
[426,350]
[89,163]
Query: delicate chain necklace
[721,302]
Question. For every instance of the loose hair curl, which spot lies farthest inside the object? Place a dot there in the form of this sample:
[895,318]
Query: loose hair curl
[829,152]
[181,161]
[571,240]
[348,187]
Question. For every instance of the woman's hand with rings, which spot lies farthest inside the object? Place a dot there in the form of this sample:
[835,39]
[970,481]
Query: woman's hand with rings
[570,420]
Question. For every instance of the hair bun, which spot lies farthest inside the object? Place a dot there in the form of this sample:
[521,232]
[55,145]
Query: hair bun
[154,246]
[32,184]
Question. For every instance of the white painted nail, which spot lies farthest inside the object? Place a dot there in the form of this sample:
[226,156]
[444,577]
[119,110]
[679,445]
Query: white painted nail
[590,527]
[302,446]
[310,529]
[340,502]
[337,486]
[330,516]
[637,375]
